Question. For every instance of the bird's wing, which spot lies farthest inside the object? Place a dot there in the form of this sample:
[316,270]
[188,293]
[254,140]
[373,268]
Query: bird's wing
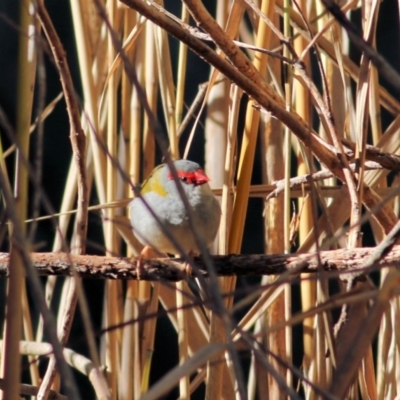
[153,183]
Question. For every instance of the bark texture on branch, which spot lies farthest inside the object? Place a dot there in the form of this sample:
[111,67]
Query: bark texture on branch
[99,267]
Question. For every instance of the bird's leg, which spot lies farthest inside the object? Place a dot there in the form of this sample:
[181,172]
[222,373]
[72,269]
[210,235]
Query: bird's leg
[147,252]
[187,268]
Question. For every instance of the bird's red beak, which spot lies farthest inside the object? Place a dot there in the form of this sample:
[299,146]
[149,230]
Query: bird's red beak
[200,177]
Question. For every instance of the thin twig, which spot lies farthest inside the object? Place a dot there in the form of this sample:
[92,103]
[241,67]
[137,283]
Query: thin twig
[316,176]
[386,160]
[193,108]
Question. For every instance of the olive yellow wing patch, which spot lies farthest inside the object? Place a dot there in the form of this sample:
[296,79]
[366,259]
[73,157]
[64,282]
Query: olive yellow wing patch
[153,183]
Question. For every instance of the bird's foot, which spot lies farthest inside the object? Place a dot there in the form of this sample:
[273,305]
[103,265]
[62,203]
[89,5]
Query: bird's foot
[147,252]
[187,268]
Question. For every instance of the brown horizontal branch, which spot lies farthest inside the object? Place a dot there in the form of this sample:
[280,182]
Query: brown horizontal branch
[87,266]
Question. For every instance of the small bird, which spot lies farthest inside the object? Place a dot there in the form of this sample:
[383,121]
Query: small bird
[161,194]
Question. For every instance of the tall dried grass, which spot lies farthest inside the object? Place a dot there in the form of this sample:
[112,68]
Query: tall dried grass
[273,114]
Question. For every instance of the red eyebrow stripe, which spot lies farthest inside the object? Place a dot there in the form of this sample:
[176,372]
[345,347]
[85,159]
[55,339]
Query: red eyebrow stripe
[197,177]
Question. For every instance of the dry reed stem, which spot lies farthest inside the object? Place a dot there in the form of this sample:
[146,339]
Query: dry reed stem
[131,30]
[231,29]
[325,108]
[346,370]
[78,140]
[387,345]
[183,333]
[29,335]
[216,136]
[167,89]
[169,100]
[384,68]
[77,136]
[151,80]
[217,371]
[128,21]
[32,390]
[84,37]
[275,229]
[366,372]
[170,379]
[147,70]
[75,360]
[11,362]
[44,114]
[308,287]
[282,308]
[112,309]
[132,308]
[182,67]
[36,286]
[149,331]
[388,101]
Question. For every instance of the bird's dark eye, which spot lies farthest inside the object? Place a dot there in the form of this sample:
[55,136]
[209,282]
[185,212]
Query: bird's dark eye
[184,179]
